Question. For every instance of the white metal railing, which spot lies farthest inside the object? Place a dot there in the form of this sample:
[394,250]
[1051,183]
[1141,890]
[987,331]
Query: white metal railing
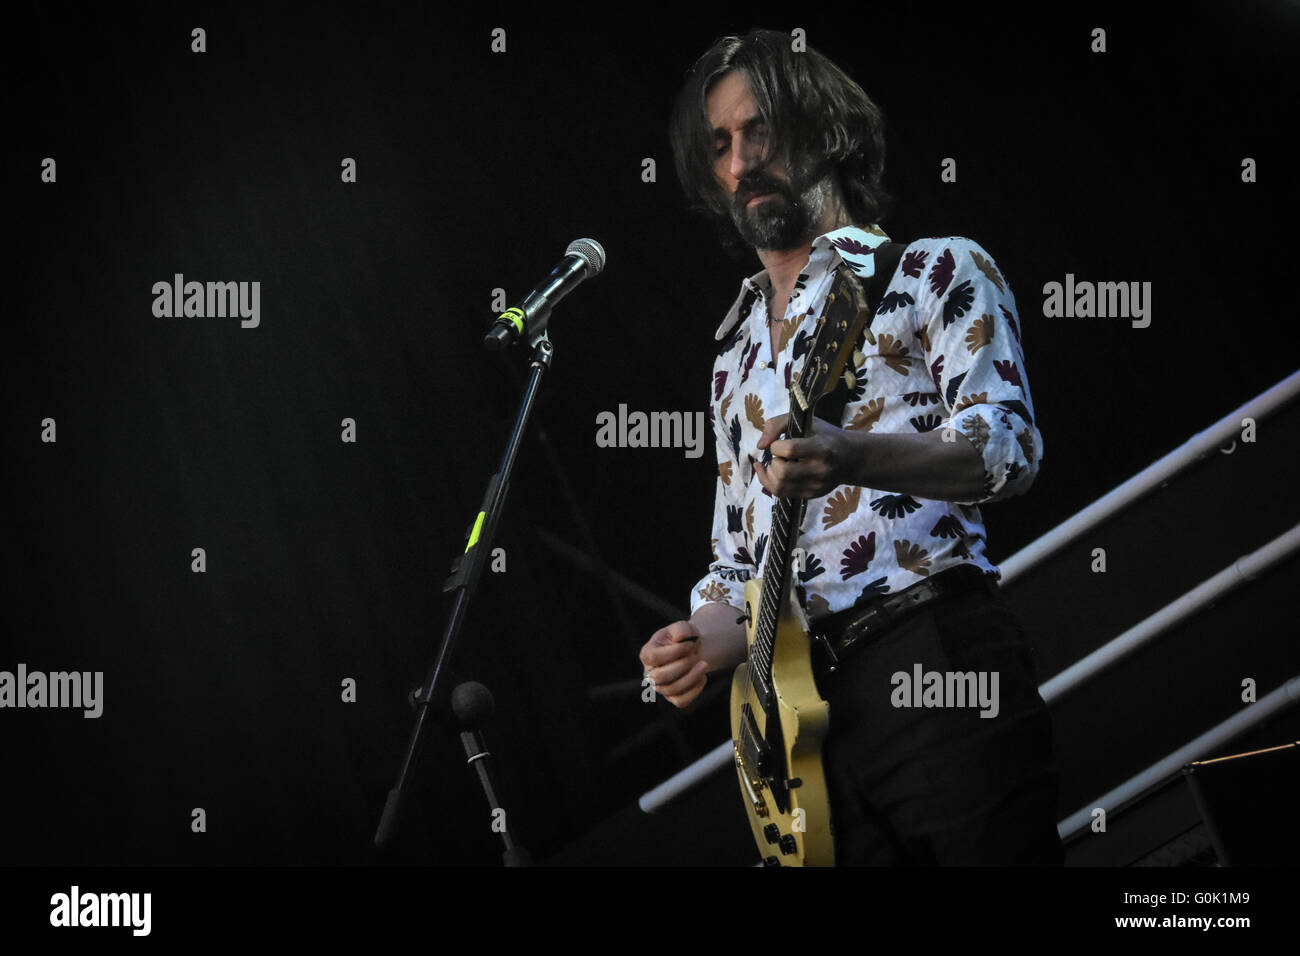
[1288,695]
[1156,474]
[1153,476]
[683,780]
[1205,593]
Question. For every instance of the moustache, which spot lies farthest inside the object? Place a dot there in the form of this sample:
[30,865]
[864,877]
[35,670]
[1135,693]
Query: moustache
[747,189]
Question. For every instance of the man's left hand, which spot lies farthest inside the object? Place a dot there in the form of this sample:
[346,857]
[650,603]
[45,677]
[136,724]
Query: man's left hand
[807,467]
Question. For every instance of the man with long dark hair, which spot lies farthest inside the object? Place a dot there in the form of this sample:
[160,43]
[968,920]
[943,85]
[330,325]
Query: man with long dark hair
[785,153]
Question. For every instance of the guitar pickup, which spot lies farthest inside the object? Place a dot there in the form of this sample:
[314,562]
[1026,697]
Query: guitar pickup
[753,748]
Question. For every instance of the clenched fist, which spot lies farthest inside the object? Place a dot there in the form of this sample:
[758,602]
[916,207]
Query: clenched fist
[671,658]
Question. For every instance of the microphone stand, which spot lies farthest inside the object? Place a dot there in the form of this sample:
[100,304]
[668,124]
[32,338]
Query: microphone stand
[466,570]
[472,704]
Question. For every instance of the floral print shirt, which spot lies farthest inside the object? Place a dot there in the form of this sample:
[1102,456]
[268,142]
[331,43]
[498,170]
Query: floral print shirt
[947,354]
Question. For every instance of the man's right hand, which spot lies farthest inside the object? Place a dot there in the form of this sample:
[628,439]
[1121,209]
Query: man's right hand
[671,659]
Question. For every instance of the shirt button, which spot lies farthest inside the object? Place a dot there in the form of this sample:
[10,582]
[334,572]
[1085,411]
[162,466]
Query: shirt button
[762,365]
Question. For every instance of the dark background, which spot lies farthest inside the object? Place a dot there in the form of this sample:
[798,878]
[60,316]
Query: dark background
[475,170]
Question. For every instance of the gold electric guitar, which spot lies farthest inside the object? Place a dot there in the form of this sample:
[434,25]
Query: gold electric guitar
[778,718]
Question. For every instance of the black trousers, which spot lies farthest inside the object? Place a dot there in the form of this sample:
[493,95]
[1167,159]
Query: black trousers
[925,786]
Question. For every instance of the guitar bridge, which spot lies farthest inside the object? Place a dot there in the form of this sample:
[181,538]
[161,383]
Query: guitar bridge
[753,795]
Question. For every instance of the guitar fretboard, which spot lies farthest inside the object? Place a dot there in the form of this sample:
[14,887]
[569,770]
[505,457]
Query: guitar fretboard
[845,315]
[787,515]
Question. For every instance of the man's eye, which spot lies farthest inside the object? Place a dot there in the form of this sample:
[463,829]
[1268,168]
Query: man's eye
[719,149]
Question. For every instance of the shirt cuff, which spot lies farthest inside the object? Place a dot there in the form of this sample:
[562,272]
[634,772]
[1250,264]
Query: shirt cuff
[721,585]
[1010,447]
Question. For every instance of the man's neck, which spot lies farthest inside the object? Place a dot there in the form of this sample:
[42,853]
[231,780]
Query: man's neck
[783,265]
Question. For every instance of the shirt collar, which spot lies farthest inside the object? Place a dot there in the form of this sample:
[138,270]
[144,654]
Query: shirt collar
[851,245]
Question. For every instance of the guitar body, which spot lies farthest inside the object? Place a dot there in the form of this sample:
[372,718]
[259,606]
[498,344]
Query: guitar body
[783,745]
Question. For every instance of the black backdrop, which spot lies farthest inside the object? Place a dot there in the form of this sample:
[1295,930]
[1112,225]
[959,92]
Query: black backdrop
[475,170]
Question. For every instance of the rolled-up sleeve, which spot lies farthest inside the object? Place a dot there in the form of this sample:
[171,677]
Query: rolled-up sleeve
[725,581]
[972,335]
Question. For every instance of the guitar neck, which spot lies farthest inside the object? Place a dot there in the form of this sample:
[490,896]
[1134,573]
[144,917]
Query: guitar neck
[787,516]
[844,316]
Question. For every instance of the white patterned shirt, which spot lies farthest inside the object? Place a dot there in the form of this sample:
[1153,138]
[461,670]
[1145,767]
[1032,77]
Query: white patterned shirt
[947,354]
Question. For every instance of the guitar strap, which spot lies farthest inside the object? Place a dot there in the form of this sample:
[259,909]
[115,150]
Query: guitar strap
[831,408]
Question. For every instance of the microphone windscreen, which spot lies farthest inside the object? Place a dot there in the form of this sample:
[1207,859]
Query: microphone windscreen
[591,252]
[472,704]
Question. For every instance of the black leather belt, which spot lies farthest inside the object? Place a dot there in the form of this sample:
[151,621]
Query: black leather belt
[839,633]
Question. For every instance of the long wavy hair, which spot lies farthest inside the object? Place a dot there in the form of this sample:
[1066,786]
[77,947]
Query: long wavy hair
[818,119]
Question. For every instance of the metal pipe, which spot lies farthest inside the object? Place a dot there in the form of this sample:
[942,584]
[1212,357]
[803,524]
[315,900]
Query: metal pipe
[1153,476]
[1288,695]
[683,780]
[1207,592]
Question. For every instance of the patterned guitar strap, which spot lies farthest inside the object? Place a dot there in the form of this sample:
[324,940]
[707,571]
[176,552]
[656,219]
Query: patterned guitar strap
[831,408]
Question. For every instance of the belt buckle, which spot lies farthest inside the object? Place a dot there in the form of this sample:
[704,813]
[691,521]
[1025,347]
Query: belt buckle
[874,617]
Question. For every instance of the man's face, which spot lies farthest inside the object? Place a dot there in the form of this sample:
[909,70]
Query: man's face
[769,210]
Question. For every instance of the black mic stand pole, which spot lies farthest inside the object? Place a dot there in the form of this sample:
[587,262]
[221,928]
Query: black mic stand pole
[465,573]
[472,704]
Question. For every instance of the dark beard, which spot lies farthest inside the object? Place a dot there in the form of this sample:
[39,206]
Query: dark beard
[784,220]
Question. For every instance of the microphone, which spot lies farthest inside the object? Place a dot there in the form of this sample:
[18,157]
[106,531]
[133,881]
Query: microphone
[582,260]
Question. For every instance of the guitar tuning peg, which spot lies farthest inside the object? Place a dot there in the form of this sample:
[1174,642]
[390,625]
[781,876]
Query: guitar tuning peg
[849,380]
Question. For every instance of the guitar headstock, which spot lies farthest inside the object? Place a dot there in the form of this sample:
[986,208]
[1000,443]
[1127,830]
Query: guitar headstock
[842,320]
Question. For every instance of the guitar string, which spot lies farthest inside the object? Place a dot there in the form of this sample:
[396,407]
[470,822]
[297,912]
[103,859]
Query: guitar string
[784,508]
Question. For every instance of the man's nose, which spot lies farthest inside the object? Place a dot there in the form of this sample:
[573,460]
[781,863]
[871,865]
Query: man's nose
[746,155]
